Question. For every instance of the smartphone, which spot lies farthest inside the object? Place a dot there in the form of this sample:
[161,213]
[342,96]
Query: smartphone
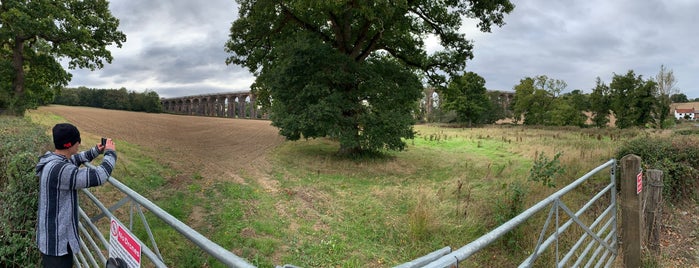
[104,141]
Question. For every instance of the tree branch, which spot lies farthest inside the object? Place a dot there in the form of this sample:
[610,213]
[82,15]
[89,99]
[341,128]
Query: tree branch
[335,26]
[356,47]
[370,48]
[420,13]
[309,27]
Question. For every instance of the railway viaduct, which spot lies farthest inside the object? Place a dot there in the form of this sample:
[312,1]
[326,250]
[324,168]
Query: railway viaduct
[230,104]
[242,104]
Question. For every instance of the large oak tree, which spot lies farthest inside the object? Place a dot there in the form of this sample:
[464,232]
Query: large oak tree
[35,34]
[351,69]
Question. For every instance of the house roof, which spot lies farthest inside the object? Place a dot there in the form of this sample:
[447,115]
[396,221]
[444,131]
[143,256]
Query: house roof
[684,111]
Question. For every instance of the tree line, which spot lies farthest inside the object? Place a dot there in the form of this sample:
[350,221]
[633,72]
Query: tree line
[631,99]
[115,99]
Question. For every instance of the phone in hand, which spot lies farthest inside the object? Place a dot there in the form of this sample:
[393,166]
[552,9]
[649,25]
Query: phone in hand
[104,141]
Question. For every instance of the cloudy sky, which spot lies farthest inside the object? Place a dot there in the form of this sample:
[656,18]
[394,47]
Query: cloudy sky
[175,47]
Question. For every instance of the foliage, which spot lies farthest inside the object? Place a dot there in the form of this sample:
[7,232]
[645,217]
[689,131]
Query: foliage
[677,157]
[116,99]
[312,109]
[569,109]
[632,100]
[468,96]
[34,34]
[679,98]
[600,104]
[500,107]
[545,170]
[20,144]
[536,98]
[360,42]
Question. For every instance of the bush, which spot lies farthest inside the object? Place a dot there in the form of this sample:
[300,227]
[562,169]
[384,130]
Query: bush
[21,142]
[677,157]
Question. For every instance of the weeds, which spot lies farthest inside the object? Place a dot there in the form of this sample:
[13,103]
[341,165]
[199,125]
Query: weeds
[506,209]
[546,171]
[421,218]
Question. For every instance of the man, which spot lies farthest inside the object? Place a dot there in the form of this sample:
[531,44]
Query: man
[60,177]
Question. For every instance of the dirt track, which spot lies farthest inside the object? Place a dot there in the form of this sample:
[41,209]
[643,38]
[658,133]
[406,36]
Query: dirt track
[216,147]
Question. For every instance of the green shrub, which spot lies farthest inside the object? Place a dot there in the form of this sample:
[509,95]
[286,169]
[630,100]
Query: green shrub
[21,142]
[677,157]
[546,171]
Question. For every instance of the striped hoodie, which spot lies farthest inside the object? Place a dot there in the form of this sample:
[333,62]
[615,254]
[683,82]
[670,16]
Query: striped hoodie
[59,181]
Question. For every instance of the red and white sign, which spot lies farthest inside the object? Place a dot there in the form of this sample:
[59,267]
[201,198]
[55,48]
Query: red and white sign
[639,182]
[122,244]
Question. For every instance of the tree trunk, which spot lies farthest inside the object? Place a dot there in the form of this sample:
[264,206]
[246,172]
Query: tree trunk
[350,139]
[16,106]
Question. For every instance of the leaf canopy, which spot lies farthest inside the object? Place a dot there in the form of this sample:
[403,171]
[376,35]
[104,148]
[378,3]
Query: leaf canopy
[351,69]
[35,34]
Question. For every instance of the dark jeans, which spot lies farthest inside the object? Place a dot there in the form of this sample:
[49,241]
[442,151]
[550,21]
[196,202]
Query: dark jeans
[65,261]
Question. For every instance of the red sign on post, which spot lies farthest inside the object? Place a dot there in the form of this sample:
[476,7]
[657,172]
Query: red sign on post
[639,182]
[123,245]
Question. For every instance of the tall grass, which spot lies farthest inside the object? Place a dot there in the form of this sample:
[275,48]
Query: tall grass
[449,187]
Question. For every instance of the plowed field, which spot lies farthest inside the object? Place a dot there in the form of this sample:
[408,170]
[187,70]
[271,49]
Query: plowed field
[213,147]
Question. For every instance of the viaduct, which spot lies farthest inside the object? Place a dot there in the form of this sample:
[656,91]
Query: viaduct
[230,104]
[242,104]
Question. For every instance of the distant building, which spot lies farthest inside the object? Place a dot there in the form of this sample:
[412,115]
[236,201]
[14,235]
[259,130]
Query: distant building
[689,114]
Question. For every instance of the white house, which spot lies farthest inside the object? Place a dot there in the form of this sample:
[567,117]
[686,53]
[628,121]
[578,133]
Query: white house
[689,114]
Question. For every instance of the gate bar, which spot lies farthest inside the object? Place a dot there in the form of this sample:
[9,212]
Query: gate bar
[485,240]
[225,256]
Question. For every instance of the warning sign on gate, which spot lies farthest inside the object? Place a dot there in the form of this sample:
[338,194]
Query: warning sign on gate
[639,182]
[122,244]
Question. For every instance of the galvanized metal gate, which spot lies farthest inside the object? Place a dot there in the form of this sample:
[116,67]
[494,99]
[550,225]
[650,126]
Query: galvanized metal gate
[92,253]
[595,248]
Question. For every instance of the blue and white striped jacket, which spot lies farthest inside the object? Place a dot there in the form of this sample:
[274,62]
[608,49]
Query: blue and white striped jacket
[59,181]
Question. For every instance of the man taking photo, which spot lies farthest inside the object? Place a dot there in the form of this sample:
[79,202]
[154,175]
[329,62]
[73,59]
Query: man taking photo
[60,178]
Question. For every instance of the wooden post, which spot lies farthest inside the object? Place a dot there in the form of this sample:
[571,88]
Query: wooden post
[630,211]
[652,209]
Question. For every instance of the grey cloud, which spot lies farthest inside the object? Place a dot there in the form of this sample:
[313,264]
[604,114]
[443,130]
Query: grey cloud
[575,41]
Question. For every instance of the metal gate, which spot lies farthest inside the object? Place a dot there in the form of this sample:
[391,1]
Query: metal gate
[595,248]
[92,253]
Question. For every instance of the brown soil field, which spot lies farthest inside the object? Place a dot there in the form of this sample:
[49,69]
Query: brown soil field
[211,147]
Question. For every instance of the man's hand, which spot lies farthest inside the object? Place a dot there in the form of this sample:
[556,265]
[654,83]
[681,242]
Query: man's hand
[110,145]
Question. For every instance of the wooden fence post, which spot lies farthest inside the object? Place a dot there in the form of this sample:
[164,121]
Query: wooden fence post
[653,209]
[630,211]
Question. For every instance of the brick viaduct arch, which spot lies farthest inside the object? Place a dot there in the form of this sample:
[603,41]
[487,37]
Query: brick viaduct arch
[231,105]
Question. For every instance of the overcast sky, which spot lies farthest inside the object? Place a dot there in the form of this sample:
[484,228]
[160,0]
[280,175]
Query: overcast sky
[175,47]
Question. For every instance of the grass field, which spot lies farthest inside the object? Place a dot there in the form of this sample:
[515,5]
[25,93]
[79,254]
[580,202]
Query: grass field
[308,207]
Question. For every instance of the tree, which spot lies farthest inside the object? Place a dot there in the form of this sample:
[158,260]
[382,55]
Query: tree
[534,99]
[632,100]
[600,104]
[33,34]
[679,98]
[666,87]
[467,96]
[500,106]
[568,109]
[330,60]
